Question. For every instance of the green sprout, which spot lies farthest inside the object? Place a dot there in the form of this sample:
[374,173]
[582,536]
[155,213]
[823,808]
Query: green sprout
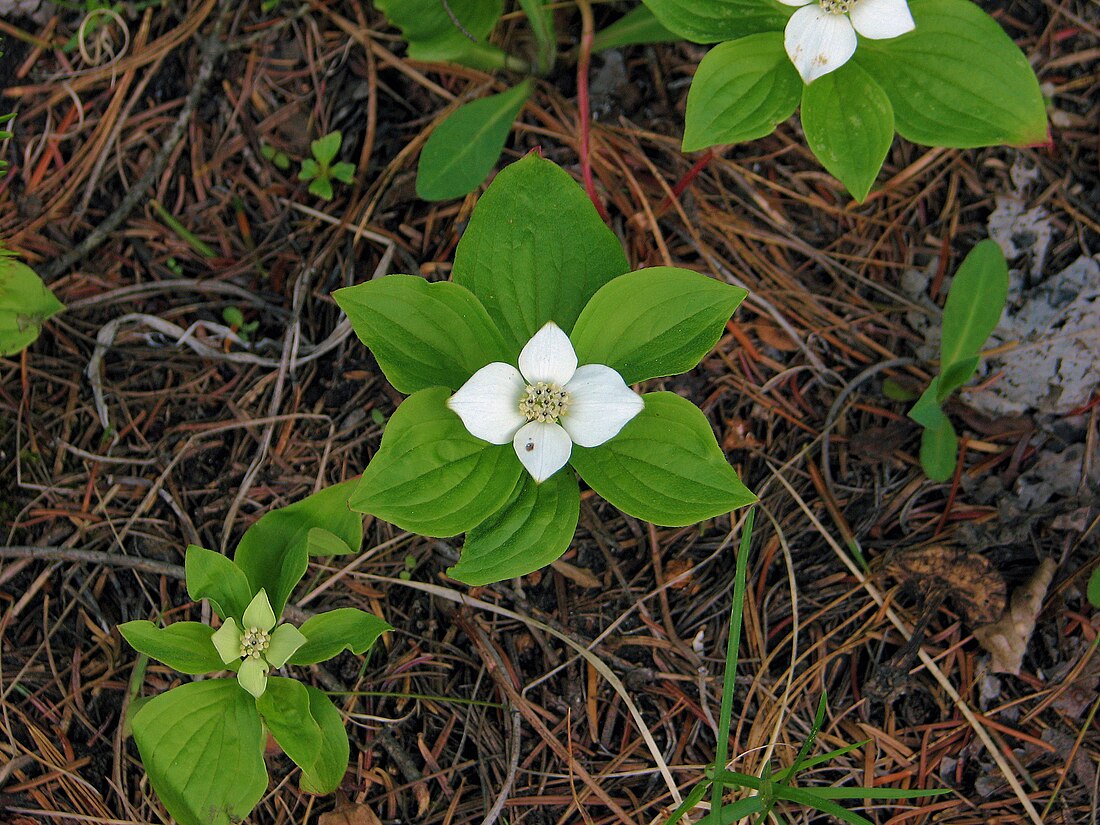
[235,318]
[321,171]
[279,159]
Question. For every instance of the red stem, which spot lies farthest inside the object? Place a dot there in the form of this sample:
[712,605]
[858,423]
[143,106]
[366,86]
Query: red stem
[585,108]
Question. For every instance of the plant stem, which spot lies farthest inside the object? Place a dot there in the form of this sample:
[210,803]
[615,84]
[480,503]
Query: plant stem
[584,107]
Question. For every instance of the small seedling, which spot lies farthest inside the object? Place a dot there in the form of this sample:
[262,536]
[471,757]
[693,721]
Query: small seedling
[235,318]
[321,171]
[973,308]
[279,159]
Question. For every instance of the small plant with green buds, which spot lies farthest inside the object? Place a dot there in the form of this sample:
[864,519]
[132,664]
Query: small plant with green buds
[320,170]
[190,734]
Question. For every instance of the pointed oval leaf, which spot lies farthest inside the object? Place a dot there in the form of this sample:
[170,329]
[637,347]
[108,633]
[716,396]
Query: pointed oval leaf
[849,126]
[536,250]
[529,532]
[25,305]
[742,90]
[202,747]
[654,322]
[464,148]
[974,305]
[216,578]
[273,552]
[325,774]
[284,707]
[1094,588]
[711,21]
[346,628]
[434,36]
[183,646]
[665,466]
[431,476]
[423,334]
[957,79]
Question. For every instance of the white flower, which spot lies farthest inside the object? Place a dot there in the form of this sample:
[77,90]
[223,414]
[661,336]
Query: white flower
[260,648]
[547,405]
[821,36]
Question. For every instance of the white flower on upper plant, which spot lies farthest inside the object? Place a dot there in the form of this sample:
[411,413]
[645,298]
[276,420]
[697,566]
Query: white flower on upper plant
[547,405]
[259,646]
[821,36]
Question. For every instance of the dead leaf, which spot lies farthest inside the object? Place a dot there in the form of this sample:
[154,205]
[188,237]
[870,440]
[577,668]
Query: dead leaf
[974,587]
[774,337]
[577,575]
[350,814]
[1006,640]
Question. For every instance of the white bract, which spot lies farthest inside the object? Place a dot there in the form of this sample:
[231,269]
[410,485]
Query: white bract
[257,644]
[821,35]
[547,405]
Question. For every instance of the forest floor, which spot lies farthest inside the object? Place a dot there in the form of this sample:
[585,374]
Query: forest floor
[121,435]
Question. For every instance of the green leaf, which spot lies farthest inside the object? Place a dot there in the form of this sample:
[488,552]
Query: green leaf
[423,335]
[202,747]
[273,552]
[734,812]
[310,170]
[540,16]
[322,542]
[434,36]
[343,171]
[710,21]
[926,411]
[896,392]
[324,149]
[877,793]
[529,532]
[322,188]
[431,476]
[284,707]
[849,126]
[957,79]
[1094,588]
[939,450]
[463,149]
[637,26]
[346,628]
[535,251]
[324,776]
[955,376]
[25,305]
[809,797]
[183,646]
[742,90]
[654,322]
[664,467]
[973,309]
[214,577]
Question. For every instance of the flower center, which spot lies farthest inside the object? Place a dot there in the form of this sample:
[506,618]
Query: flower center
[254,642]
[544,402]
[838,6]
